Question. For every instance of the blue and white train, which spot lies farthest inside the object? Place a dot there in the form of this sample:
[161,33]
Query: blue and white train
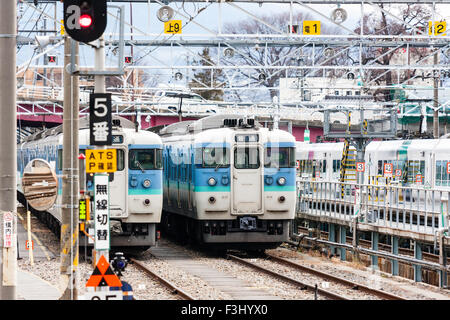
[135,188]
[228,182]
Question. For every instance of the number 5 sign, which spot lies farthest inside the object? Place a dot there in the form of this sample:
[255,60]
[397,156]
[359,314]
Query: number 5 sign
[100,119]
[172,26]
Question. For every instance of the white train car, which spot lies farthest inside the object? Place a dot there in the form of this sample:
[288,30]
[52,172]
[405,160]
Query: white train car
[135,188]
[228,181]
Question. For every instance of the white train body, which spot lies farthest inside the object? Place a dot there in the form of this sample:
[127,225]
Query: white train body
[220,180]
[135,207]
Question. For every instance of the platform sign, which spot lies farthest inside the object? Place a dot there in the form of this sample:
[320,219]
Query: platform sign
[173,27]
[388,169]
[439,28]
[100,119]
[448,167]
[101,205]
[360,166]
[311,27]
[398,172]
[101,160]
[8,235]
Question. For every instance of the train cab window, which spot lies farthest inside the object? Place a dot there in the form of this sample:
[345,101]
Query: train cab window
[442,177]
[279,157]
[246,158]
[145,159]
[213,157]
[336,165]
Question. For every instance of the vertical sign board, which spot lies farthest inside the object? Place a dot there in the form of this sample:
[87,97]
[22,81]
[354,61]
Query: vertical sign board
[8,236]
[101,205]
[388,169]
[100,119]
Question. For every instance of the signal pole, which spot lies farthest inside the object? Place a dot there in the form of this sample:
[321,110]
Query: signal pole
[70,183]
[8,165]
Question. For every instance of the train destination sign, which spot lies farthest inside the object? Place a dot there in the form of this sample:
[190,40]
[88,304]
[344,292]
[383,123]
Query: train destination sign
[101,160]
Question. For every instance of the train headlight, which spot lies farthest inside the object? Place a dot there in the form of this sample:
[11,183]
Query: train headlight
[146,183]
[269,180]
[212,181]
[281,181]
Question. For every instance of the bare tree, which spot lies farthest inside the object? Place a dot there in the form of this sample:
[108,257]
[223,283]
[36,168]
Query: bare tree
[263,56]
[414,16]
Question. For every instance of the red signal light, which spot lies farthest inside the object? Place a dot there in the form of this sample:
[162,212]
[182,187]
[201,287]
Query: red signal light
[85,21]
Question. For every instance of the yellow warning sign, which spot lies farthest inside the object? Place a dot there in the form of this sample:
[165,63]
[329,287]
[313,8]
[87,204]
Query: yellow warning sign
[311,27]
[439,28]
[172,26]
[102,160]
[62,31]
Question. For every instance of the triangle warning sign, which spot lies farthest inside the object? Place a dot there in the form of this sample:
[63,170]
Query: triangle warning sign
[103,275]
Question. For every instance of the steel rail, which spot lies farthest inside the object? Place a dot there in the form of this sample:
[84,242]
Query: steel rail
[163,281]
[325,293]
[353,285]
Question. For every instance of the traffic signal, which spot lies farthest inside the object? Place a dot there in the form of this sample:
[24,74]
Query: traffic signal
[85,20]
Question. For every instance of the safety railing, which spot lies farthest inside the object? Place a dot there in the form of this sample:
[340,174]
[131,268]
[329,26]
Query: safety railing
[414,208]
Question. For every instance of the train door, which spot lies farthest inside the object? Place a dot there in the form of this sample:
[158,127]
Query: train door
[247,179]
[118,186]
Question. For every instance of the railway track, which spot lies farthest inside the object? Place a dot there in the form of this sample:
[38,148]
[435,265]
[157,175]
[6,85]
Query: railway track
[303,285]
[343,289]
[171,287]
[353,285]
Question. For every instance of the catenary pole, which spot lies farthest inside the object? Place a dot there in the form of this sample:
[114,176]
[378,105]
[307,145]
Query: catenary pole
[8,147]
[70,183]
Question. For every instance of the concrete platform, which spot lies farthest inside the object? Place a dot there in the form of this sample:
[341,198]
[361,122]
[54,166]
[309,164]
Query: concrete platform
[31,287]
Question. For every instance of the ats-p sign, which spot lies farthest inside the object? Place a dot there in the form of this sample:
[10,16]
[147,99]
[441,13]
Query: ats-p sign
[102,160]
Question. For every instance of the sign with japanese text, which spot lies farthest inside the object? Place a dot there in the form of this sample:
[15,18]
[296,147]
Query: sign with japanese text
[172,26]
[83,207]
[101,160]
[100,119]
[388,169]
[101,205]
[8,235]
[311,27]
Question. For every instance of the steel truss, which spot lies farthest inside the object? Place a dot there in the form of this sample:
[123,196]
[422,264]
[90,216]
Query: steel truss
[306,55]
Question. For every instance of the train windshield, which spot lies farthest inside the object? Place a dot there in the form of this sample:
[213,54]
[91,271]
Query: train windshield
[246,158]
[145,159]
[215,157]
[276,157]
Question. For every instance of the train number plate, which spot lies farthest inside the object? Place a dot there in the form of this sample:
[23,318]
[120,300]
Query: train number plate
[248,223]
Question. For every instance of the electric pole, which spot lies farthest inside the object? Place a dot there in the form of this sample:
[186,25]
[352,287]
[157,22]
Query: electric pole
[8,144]
[70,183]
[436,98]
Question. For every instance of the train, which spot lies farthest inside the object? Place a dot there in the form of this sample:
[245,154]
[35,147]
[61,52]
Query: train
[415,162]
[136,194]
[228,182]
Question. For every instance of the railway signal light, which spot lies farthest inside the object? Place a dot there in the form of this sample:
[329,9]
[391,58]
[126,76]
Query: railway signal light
[85,20]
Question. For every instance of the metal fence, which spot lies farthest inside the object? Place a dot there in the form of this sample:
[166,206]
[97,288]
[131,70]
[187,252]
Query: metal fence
[416,208]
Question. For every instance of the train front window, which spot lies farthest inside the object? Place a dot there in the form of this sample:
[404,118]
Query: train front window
[145,159]
[246,158]
[215,157]
[279,157]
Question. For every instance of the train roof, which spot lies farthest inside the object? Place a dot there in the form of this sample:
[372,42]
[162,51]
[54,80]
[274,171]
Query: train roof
[83,124]
[206,123]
